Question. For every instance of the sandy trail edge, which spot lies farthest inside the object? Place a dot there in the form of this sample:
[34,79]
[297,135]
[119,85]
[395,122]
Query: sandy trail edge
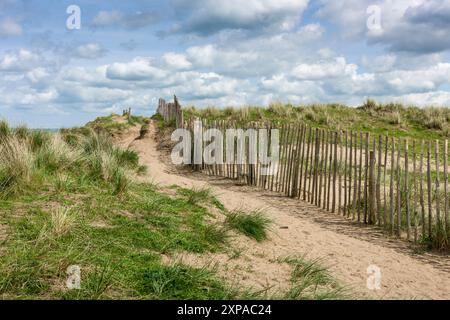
[347,248]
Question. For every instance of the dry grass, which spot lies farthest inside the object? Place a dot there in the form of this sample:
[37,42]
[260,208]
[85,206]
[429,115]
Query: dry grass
[62,220]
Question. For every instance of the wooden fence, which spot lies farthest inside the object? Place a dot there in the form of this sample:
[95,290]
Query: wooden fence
[171,111]
[398,184]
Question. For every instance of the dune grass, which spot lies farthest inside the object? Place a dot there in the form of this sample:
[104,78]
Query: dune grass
[311,280]
[254,224]
[393,119]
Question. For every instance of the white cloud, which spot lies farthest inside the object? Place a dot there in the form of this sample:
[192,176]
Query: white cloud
[20,60]
[210,56]
[37,75]
[435,98]
[176,61]
[381,63]
[138,69]
[89,51]
[326,69]
[10,27]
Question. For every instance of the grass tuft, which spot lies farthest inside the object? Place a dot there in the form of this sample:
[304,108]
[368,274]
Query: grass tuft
[179,281]
[254,224]
[310,280]
[62,220]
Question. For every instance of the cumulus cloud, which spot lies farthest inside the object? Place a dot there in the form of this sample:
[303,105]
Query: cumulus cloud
[209,56]
[176,61]
[20,60]
[328,69]
[207,17]
[139,69]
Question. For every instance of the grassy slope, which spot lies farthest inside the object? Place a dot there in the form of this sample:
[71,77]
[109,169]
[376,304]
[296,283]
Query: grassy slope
[70,199]
[392,119]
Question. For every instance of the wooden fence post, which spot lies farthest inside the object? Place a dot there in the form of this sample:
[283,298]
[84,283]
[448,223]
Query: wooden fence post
[372,188]
[446,217]
[407,191]
[430,207]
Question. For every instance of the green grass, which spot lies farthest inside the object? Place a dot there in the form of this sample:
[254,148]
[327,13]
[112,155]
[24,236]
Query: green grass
[310,280]
[200,195]
[113,240]
[254,224]
[179,281]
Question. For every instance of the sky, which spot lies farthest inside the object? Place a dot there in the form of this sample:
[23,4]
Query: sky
[62,67]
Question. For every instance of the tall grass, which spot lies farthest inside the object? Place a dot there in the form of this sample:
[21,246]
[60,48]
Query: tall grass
[29,159]
[16,164]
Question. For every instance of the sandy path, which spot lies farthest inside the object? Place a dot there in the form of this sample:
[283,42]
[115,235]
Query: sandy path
[300,228]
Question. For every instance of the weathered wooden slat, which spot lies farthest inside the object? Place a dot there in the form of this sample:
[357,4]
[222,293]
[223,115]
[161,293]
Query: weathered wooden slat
[446,214]
[407,191]
[399,199]
[378,183]
[430,200]
[335,168]
[438,188]
[422,197]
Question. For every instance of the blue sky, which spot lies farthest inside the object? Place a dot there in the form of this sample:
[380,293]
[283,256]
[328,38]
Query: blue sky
[217,52]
